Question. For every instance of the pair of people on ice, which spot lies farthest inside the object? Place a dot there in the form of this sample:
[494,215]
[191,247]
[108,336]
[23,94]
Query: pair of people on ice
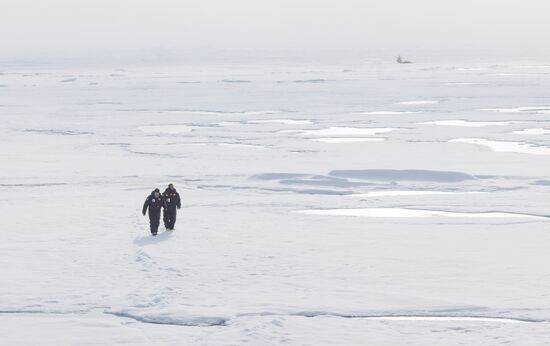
[169,201]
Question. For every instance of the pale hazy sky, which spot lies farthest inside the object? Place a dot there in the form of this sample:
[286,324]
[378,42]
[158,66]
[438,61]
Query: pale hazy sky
[69,26]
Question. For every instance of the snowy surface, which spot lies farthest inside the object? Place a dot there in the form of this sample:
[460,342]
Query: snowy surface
[347,139]
[467,123]
[317,208]
[411,103]
[533,132]
[412,213]
[392,193]
[506,146]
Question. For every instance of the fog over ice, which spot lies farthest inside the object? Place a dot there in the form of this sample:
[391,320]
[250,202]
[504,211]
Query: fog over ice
[64,28]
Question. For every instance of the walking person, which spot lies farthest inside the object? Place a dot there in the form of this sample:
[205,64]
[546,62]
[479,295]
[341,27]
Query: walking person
[154,202]
[173,202]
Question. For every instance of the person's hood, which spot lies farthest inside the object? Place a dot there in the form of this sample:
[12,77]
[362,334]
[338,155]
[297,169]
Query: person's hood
[169,190]
[153,192]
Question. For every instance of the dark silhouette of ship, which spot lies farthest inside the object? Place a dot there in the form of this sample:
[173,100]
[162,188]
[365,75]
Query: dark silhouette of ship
[400,60]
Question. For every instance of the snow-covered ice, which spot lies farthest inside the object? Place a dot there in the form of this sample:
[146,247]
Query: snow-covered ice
[413,213]
[392,193]
[168,129]
[533,131]
[281,121]
[536,109]
[317,212]
[418,102]
[466,123]
[506,146]
[342,131]
[347,139]
[388,112]
[224,113]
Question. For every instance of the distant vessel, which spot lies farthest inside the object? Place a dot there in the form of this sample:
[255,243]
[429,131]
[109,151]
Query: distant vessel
[401,61]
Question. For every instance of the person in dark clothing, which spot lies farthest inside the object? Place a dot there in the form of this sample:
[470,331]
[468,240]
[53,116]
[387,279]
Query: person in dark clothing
[173,202]
[154,202]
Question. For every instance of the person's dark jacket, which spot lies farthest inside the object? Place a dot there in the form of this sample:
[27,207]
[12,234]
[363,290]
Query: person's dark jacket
[172,199]
[154,204]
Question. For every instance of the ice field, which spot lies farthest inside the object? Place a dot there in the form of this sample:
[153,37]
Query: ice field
[323,203]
